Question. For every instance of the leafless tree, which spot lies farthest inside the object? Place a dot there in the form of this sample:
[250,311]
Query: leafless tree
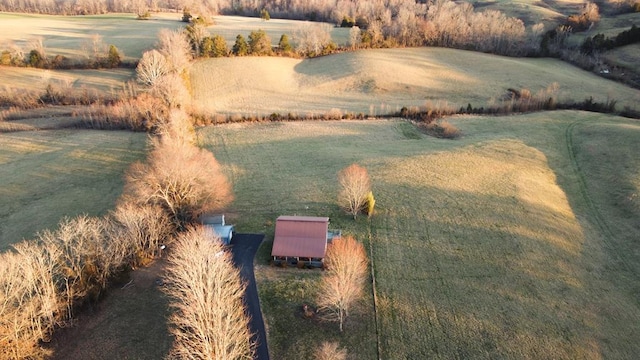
[354,187]
[178,128]
[152,67]
[171,89]
[175,46]
[184,180]
[330,351]
[343,282]
[355,37]
[143,228]
[29,302]
[209,319]
[311,37]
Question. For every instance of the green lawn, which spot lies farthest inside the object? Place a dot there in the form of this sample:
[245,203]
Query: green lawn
[46,175]
[507,243]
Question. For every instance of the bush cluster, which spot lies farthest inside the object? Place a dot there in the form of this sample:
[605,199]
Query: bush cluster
[599,42]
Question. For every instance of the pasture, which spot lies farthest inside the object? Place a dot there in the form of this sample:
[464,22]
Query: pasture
[515,241]
[70,36]
[375,82]
[46,175]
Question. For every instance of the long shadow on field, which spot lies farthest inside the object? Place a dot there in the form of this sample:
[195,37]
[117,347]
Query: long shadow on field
[473,276]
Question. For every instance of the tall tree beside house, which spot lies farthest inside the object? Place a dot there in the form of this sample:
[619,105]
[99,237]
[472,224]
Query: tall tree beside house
[209,319]
[342,285]
[355,187]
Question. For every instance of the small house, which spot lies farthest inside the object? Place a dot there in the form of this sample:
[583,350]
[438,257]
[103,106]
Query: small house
[301,238]
[222,230]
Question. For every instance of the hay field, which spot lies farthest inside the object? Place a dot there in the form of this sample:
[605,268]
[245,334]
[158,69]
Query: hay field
[381,81]
[507,243]
[230,26]
[108,81]
[67,35]
[46,175]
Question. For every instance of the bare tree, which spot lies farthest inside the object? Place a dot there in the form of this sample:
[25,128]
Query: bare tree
[144,229]
[151,67]
[330,351]
[355,37]
[184,180]
[354,188]
[310,38]
[209,319]
[343,282]
[29,302]
[175,46]
[171,89]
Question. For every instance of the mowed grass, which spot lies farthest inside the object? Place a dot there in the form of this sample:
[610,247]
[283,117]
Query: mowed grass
[507,243]
[375,82]
[47,175]
[69,35]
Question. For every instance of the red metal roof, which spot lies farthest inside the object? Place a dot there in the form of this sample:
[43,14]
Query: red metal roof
[301,236]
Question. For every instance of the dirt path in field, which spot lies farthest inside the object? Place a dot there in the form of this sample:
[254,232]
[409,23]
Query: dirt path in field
[244,248]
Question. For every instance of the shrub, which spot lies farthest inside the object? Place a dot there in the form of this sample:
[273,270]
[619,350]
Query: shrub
[264,15]
[443,129]
[259,43]
[240,48]
[330,351]
[215,46]
[114,58]
[284,45]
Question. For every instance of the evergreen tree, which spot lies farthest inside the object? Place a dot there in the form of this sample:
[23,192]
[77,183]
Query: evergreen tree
[240,48]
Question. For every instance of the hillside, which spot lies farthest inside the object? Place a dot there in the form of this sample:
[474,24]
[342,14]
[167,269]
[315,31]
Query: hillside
[382,81]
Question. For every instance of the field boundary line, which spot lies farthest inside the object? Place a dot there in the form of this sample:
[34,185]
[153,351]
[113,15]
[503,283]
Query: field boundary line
[373,290]
[599,220]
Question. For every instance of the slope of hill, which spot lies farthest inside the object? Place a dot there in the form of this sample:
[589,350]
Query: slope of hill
[381,81]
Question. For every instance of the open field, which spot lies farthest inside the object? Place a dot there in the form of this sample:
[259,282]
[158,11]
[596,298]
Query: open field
[46,175]
[107,81]
[68,35]
[381,81]
[516,241]
[230,26]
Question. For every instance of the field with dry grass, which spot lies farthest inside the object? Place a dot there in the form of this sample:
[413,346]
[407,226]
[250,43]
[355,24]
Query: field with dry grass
[69,35]
[377,82]
[47,175]
[516,241]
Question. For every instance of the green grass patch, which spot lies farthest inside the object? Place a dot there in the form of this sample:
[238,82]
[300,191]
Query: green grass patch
[491,246]
[47,175]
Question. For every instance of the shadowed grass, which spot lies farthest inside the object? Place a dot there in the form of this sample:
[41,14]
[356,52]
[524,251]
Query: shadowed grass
[490,246]
[47,175]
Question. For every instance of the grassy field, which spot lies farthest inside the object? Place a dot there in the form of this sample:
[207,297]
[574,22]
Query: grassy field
[67,35]
[377,82]
[516,241]
[230,26]
[46,175]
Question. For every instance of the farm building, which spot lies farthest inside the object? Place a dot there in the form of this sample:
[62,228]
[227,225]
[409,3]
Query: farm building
[301,238]
[217,224]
